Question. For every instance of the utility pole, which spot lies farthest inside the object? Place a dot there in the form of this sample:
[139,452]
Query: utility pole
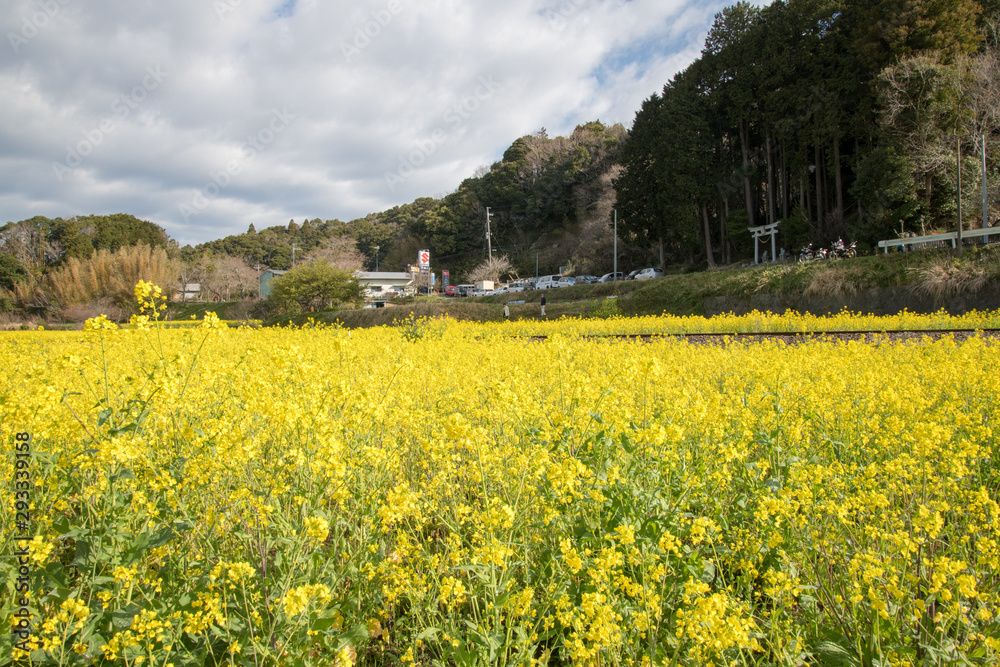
[986,208]
[489,242]
[958,148]
[293,255]
[614,269]
[376,258]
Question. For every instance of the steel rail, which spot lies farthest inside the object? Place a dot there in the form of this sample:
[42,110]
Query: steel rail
[903,333]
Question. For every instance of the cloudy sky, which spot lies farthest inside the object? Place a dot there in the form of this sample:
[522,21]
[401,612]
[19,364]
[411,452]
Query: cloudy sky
[206,115]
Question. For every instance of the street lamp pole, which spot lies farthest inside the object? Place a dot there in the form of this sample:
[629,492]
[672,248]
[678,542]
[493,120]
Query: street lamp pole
[614,269]
[376,258]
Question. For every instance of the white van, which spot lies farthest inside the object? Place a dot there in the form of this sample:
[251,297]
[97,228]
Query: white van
[645,274]
[547,282]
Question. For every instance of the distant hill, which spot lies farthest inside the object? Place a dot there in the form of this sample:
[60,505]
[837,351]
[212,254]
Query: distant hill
[39,243]
[550,202]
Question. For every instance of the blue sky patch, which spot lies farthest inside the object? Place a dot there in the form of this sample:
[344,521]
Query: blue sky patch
[638,53]
[285,9]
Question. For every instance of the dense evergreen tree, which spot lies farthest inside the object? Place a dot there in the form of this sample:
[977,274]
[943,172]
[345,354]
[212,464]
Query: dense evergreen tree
[41,242]
[835,116]
[11,272]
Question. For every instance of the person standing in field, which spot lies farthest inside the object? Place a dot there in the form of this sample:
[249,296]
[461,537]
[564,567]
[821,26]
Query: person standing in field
[543,305]
[506,311]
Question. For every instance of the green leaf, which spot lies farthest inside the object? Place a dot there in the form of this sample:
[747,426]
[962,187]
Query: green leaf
[124,474]
[122,618]
[161,537]
[833,653]
[356,635]
[323,624]
[83,553]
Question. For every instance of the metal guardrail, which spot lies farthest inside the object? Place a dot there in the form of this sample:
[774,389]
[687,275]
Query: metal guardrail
[941,238]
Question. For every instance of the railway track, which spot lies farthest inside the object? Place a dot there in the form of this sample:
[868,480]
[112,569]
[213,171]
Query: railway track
[793,337]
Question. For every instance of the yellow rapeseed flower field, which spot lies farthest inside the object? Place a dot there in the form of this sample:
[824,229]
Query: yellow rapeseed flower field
[457,494]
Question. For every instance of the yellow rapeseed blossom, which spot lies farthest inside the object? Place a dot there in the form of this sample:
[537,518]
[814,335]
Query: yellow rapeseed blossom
[299,599]
[317,528]
[320,496]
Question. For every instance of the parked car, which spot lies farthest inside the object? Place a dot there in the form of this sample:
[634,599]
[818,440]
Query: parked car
[515,287]
[464,290]
[449,290]
[586,280]
[565,281]
[633,274]
[645,274]
[547,282]
[610,277]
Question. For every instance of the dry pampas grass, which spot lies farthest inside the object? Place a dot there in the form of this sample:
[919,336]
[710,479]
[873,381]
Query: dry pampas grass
[833,282]
[948,279]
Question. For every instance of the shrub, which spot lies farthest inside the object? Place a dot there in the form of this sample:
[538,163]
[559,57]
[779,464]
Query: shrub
[316,284]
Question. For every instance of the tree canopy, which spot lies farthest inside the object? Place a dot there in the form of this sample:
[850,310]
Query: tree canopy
[40,242]
[316,284]
[839,117]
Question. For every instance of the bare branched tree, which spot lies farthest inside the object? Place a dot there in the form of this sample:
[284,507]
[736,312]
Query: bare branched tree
[341,252]
[919,99]
[983,98]
[496,269]
[229,278]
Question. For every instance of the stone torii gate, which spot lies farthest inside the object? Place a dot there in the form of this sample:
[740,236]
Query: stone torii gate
[760,232]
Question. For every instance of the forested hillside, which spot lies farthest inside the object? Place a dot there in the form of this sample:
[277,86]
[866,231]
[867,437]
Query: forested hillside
[39,243]
[839,118]
[550,197]
[49,265]
[550,202]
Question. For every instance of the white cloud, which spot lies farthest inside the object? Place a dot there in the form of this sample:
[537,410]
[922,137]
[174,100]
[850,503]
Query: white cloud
[166,96]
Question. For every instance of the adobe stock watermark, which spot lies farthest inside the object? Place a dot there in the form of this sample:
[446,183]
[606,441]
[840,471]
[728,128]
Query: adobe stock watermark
[370,29]
[32,24]
[224,8]
[558,18]
[455,117]
[121,107]
[218,181]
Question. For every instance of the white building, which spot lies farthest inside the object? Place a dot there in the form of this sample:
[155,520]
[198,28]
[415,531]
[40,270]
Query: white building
[381,285]
[189,292]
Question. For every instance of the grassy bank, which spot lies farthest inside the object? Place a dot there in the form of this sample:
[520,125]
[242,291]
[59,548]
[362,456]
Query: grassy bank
[931,275]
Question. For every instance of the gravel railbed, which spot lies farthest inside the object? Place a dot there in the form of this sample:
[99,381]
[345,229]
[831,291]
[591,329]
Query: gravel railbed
[958,335]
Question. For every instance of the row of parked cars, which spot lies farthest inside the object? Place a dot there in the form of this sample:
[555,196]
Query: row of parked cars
[553,281]
[548,282]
